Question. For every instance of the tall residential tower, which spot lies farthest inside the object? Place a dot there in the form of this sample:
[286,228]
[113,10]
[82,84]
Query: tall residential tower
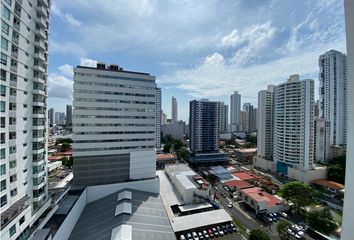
[174,110]
[235,112]
[23,163]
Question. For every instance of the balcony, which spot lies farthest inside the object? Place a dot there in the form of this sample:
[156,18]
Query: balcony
[42,11]
[41,21]
[38,197]
[39,68]
[40,44]
[38,80]
[13,211]
[38,183]
[13,68]
[15,39]
[44,2]
[39,56]
[13,83]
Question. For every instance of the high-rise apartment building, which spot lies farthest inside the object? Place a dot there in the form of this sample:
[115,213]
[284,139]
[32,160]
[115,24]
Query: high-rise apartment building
[348,212]
[113,125]
[51,116]
[249,115]
[174,110]
[322,141]
[204,126]
[57,118]
[235,112]
[163,118]
[265,123]
[158,119]
[23,170]
[333,94]
[224,118]
[294,124]
[69,116]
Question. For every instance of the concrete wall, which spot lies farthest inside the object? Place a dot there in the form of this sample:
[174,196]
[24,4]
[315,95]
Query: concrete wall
[97,192]
[264,164]
[69,223]
[142,164]
[307,176]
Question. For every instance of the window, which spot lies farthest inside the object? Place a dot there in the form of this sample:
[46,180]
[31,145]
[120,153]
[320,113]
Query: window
[5,28]
[12,230]
[12,92]
[8,2]
[2,122]
[3,200]
[22,220]
[13,178]
[13,192]
[3,90]
[4,43]
[5,12]
[2,138]
[2,169]
[12,164]
[3,59]
[2,106]
[25,105]
[2,153]
[3,75]
[12,149]
[3,184]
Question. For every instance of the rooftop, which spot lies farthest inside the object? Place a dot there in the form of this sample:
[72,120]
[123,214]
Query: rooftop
[329,184]
[111,68]
[244,176]
[260,195]
[246,150]
[238,184]
[147,220]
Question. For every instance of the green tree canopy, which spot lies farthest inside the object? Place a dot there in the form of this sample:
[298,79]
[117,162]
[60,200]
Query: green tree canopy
[258,234]
[299,193]
[322,221]
[282,226]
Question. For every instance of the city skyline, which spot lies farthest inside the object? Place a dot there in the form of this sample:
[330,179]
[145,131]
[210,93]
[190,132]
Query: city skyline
[229,55]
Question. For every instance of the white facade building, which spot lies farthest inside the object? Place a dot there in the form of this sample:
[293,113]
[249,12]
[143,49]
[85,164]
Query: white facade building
[348,212]
[113,125]
[294,124]
[265,123]
[158,119]
[235,112]
[322,140]
[333,94]
[24,61]
[174,110]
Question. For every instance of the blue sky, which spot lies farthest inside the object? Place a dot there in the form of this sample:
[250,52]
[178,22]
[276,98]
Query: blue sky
[196,49]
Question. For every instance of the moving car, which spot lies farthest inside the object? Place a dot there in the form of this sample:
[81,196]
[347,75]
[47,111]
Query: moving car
[230,205]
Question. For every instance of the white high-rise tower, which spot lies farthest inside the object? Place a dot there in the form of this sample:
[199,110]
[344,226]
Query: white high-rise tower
[23,167]
[174,110]
[333,94]
[294,124]
[235,112]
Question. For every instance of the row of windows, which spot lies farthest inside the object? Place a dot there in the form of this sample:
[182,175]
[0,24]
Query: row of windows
[108,116]
[115,140]
[116,109]
[113,85]
[113,132]
[112,77]
[112,148]
[113,125]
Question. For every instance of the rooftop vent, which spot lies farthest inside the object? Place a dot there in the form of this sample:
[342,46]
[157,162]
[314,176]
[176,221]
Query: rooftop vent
[125,195]
[101,66]
[123,208]
[114,67]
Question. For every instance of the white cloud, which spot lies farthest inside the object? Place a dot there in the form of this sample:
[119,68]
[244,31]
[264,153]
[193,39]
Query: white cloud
[249,41]
[60,86]
[88,62]
[66,70]
[65,16]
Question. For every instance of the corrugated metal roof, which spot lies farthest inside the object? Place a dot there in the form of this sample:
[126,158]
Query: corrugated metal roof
[122,232]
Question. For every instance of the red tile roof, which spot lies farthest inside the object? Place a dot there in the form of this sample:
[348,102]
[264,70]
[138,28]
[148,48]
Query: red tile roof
[244,175]
[238,184]
[329,184]
[259,195]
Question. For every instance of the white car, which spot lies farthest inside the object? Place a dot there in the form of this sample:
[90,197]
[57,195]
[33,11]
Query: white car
[230,205]
[283,214]
[195,236]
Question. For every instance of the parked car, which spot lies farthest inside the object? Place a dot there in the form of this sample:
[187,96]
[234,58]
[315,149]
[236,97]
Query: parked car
[283,214]
[233,227]
[221,232]
[195,236]
[230,205]
[189,236]
[200,235]
[216,233]
[206,235]
[182,237]
[211,233]
[223,194]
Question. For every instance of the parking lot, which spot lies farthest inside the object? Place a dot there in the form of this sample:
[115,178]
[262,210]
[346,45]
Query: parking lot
[226,231]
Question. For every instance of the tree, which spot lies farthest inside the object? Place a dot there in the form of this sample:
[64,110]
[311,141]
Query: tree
[336,173]
[299,193]
[258,234]
[182,153]
[282,227]
[322,221]
[65,146]
[167,147]
[67,162]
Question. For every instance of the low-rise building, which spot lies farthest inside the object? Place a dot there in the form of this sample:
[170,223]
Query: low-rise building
[237,185]
[263,202]
[191,187]
[331,187]
[162,159]
[245,155]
